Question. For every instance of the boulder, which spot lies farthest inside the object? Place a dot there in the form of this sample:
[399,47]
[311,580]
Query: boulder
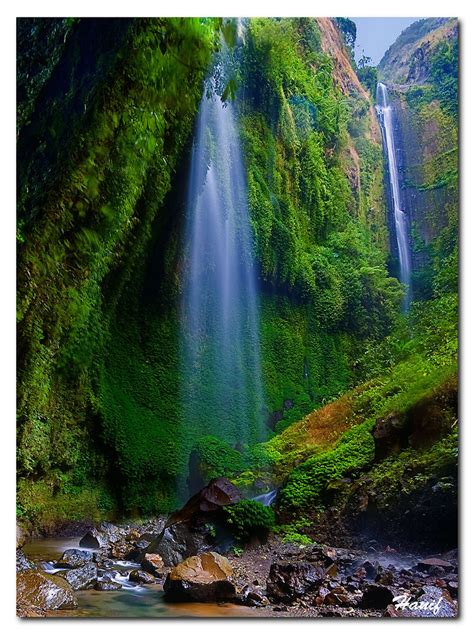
[289,581]
[252,596]
[178,542]
[94,539]
[80,578]
[377,597]
[74,558]
[202,578]
[22,562]
[37,589]
[339,597]
[140,576]
[390,435]
[106,585]
[153,564]
[434,562]
[20,536]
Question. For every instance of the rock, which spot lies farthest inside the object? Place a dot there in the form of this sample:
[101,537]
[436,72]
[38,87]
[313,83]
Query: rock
[74,558]
[120,550]
[133,536]
[22,562]
[371,569]
[20,536]
[106,585]
[253,597]
[433,562]
[94,539]
[153,564]
[36,589]
[289,581]
[179,542]
[140,576]
[80,578]
[339,597]
[384,577]
[389,436]
[202,578]
[453,588]
[377,597]
[219,493]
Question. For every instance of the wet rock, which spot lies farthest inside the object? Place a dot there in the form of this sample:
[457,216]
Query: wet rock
[453,588]
[153,564]
[94,539]
[377,597]
[385,577]
[74,558]
[338,596]
[132,536]
[389,436]
[80,578]
[202,578]
[120,550]
[253,597]
[289,581]
[371,569]
[179,542]
[140,576]
[106,585]
[36,589]
[20,536]
[425,565]
[22,562]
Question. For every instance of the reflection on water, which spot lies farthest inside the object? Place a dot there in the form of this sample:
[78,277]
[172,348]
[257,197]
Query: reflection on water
[133,601]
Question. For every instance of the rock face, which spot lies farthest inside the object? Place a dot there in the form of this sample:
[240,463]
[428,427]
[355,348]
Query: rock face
[80,578]
[38,590]
[202,578]
[290,581]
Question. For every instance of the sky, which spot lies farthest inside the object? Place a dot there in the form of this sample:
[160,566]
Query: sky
[375,35]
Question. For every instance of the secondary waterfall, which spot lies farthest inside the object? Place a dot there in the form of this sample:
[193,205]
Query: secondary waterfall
[385,114]
[220,346]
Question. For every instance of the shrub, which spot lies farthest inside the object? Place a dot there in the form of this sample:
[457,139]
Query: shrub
[249,518]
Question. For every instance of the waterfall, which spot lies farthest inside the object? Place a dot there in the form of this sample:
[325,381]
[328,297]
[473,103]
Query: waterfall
[221,387]
[385,114]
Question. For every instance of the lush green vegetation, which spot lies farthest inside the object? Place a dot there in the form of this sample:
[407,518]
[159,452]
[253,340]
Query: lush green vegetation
[102,181]
[249,519]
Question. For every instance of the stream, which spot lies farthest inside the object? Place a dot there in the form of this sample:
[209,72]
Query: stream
[132,601]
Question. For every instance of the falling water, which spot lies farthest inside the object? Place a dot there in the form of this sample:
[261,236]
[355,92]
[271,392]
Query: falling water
[221,376]
[385,113]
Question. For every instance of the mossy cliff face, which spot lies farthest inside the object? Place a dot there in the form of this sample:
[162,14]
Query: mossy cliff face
[103,171]
[320,243]
[421,71]
[103,116]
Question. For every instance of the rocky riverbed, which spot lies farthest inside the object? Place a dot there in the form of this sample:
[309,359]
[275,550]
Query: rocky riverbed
[108,572]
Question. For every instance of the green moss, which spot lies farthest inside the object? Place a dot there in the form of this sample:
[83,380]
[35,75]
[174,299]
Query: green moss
[306,483]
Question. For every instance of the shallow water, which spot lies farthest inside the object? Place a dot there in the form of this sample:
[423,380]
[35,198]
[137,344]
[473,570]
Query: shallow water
[133,600]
